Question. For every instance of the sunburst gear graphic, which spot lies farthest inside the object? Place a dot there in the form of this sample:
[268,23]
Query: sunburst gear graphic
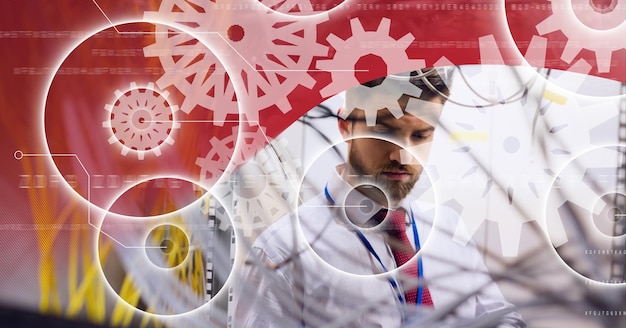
[595,25]
[262,190]
[350,51]
[141,120]
[276,51]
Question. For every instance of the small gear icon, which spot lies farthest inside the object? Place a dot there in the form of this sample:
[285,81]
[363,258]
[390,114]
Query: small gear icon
[262,190]
[349,51]
[276,51]
[141,120]
[594,25]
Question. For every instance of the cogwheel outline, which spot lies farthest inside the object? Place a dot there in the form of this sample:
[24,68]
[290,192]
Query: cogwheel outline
[603,42]
[141,121]
[349,51]
[277,61]
[262,190]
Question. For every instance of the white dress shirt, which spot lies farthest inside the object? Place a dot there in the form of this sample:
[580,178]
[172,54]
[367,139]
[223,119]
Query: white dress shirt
[312,270]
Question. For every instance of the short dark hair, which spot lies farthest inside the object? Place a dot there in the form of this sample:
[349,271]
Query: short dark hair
[428,80]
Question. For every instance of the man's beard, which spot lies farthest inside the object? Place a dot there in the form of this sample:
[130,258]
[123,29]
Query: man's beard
[395,190]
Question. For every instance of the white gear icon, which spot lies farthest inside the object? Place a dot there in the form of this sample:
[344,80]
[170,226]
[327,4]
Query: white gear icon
[349,51]
[278,50]
[519,179]
[586,27]
[262,190]
[141,119]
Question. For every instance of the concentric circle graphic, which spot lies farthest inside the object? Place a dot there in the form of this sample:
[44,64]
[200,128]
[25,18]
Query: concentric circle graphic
[107,137]
[584,214]
[336,243]
[172,255]
[167,246]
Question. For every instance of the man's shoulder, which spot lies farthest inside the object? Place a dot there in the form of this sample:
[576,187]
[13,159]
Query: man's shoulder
[290,227]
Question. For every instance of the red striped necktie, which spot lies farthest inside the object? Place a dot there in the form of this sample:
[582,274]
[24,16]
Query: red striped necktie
[403,252]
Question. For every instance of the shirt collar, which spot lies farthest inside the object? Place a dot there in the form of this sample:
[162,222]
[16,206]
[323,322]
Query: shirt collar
[352,204]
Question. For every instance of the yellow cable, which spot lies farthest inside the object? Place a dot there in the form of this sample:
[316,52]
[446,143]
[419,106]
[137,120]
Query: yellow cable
[123,313]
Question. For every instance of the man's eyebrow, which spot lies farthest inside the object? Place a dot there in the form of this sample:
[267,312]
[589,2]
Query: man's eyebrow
[429,128]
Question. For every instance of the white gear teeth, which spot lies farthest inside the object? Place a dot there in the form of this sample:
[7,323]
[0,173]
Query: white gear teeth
[141,120]
[367,99]
[603,42]
[228,152]
[276,52]
[349,51]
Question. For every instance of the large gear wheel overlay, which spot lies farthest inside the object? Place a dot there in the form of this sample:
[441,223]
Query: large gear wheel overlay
[277,52]
[141,120]
[350,51]
[588,24]
[263,189]
[583,209]
[509,191]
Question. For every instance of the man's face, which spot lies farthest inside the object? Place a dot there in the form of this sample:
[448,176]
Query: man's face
[376,153]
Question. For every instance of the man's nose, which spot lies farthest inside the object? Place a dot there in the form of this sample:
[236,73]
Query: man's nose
[395,153]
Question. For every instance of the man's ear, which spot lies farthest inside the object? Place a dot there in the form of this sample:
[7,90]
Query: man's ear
[344,127]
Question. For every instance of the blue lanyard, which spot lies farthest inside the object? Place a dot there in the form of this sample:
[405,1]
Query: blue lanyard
[372,251]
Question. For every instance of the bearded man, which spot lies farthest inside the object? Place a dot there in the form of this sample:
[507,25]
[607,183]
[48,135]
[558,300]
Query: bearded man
[364,253]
